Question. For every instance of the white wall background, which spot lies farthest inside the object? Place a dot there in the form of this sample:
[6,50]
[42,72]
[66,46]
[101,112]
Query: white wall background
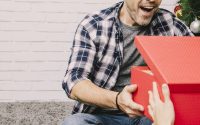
[35,38]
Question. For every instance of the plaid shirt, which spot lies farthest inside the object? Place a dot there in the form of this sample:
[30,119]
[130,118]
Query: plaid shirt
[97,50]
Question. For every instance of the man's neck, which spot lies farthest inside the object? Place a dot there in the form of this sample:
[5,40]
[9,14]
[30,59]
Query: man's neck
[125,17]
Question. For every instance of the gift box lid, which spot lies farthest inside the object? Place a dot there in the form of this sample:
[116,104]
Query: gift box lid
[173,60]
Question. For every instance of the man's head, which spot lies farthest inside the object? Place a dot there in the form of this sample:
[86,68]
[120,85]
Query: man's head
[140,11]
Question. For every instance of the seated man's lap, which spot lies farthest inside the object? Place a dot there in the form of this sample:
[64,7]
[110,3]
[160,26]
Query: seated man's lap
[104,119]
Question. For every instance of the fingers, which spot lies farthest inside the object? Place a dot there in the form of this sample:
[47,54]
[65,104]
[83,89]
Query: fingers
[151,104]
[133,109]
[136,106]
[151,99]
[150,110]
[128,105]
[166,92]
[131,88]
[132,113]
[155,92]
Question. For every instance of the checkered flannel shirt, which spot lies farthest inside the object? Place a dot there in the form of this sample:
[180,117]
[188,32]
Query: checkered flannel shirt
[97,50]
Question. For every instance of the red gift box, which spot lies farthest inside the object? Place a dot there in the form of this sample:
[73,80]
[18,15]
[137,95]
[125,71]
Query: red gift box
[175,61]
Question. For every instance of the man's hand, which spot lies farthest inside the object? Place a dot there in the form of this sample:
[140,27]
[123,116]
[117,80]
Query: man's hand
[126,104]
[161,112]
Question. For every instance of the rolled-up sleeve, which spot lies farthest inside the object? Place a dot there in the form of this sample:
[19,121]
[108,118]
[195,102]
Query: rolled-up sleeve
[81,60]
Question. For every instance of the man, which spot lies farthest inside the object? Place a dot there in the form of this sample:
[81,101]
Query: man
[98,73]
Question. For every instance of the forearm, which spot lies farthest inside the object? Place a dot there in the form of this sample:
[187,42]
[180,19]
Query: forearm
[88,92]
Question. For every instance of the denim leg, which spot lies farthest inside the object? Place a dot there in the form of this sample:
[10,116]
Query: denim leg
[114,119]
[82,119]
[140,121]
[104,119]
[145,121]
[96,119]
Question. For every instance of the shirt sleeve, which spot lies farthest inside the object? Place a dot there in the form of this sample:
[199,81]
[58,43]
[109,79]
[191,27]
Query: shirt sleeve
[180,29]
[81,60]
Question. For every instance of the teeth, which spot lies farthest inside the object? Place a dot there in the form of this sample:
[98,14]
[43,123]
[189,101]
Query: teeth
[148,7]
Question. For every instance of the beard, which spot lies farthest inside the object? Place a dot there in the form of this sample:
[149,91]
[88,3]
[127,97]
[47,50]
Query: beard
[141,17]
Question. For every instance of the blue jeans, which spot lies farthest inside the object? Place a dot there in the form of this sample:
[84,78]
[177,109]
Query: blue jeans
[104,119]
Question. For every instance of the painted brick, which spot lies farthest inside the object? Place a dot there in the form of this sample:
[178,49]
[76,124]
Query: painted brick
[33,96]
[6,16]
[31,85]
[14,6]
[28,16]
[35,42]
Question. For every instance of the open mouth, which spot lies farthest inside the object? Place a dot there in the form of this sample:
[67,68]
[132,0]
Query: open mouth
[147,9]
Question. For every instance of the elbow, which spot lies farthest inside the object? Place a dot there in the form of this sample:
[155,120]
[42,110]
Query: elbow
[77,91]
[66,89]
[71,92]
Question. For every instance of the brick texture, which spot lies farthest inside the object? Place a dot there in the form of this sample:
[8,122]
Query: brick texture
[36,36]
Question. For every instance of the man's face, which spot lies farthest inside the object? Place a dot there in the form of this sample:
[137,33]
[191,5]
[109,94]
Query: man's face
[141,11]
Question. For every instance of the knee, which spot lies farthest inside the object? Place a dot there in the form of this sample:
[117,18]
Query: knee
[80,119]
[145,121]
[72,120]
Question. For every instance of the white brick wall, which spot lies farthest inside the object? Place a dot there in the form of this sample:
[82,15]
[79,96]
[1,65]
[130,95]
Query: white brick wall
[35,38]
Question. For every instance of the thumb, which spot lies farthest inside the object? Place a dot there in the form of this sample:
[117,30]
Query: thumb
[131,88]
[166,93]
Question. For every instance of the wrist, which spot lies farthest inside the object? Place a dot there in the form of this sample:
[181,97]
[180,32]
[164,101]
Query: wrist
[164,123]
[116,101]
